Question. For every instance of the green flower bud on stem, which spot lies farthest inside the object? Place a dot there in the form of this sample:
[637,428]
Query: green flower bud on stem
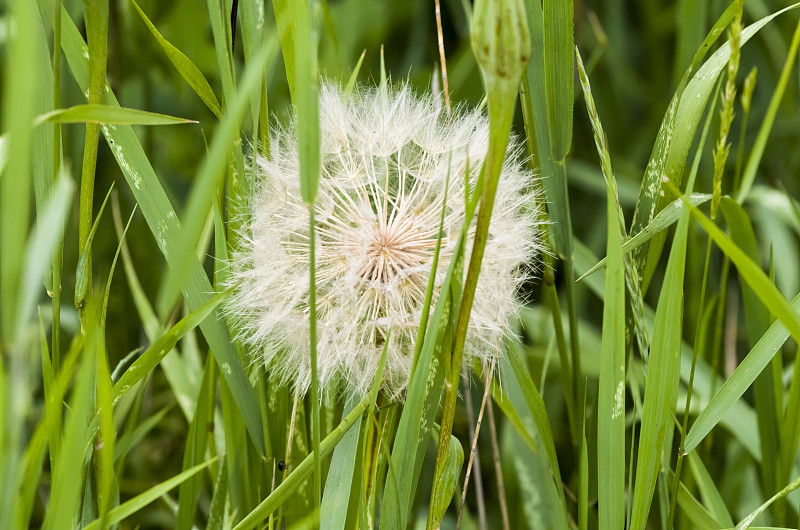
[502,46]
[501,43]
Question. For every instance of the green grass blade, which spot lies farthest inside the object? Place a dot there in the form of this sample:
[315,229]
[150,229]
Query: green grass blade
[665,218]
[95,113]
[540,494]
[334,508]
[583,475]
[351,82]
[306,101]
[537,106]
[421,405]
[43,139]
[790,431]
[15,188]
[688,113]
[611,391]
[539,413]
[662,379]
[184,66]
[747,521]
[132,506]
[160,348]
[713,34]
[196,443]
[767,387]
[758,281]
[302,471]
[740,380]
[699,517]
[285,15]
[511,415]
[210,175]
[651,182]
[83,273]
[133,438]
[709,491]
[41,248]
[65,496]
[749,174]
[161,218]
[559,66]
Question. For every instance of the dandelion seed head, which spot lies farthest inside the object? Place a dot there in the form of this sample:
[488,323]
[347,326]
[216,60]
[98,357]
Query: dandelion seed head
[391,166]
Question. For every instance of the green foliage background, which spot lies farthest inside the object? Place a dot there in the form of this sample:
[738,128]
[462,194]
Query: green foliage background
[68,461]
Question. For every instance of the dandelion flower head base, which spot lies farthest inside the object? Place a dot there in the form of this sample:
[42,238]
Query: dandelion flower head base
[391,166]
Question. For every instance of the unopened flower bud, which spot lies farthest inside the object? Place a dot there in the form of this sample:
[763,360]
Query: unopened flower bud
[501,42]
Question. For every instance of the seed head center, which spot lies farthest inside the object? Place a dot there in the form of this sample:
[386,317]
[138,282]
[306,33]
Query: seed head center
[394,249]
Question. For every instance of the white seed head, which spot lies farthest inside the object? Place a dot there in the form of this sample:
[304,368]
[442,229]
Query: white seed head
[388,158]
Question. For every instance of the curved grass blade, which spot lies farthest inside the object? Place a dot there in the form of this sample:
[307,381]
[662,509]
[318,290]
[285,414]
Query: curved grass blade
[185,66]
[302,471]
[83,274]
[747,521]
[160,348]
[687,118]
[709,492]
[758,281]
[660,222]
[132,506]
[195,449]
[740,380]
[767,388]
[41,246]
[63,508]
[95,113]
[334,508]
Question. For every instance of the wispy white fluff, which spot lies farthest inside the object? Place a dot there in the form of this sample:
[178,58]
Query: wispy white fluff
[385,157]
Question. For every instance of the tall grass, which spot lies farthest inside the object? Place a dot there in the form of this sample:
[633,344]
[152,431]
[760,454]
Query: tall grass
[654,381]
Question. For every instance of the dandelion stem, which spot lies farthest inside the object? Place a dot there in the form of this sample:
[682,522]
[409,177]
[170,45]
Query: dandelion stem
[501,113]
